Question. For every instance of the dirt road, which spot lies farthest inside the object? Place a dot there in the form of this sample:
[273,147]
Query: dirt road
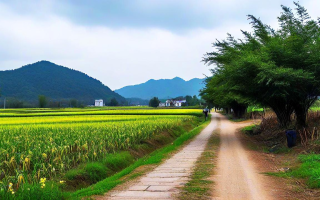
[236,176]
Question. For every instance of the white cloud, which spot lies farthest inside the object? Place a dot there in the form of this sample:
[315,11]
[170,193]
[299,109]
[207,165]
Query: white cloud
[117,57]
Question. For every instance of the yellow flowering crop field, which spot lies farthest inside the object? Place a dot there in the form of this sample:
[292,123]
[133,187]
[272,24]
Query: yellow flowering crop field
[40,144]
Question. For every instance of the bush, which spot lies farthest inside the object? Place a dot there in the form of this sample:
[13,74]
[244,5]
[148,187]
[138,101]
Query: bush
[91,172]
[118,161]
[96,171]
[74,173]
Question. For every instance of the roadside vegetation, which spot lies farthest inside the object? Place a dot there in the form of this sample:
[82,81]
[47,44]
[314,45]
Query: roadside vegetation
[200,186]
[277,69]
[154,158]
[44,151]
[302,162]
[309,169]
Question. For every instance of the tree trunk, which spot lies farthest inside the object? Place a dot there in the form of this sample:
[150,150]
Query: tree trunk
[239,111]
[283,115]
[301,118]
[301,111]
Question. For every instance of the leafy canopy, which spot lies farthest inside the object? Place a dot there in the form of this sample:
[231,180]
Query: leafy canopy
[278,69]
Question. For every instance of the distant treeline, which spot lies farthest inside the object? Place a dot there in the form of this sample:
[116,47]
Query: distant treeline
[50,103]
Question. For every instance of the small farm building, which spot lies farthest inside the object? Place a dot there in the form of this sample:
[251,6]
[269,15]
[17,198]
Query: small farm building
[98,102]
[175,103]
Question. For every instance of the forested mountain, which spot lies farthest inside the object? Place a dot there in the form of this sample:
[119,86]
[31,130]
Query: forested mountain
[163,88]
[55,82]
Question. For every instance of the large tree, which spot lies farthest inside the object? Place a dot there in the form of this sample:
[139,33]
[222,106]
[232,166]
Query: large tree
[42,101]
[114,102]
[218,93]
[278,69]
[154,102]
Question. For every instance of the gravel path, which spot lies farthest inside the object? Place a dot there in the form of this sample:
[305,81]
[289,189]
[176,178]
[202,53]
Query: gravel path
[163,182]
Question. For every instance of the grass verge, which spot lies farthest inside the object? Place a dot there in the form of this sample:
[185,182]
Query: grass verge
[309,170]
[305,167]
[200,186]
[154,158]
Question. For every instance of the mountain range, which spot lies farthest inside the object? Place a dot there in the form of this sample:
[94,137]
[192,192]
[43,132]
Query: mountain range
[163,88]
[55,82]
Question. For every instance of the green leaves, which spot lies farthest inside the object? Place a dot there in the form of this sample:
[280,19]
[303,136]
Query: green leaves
[279,69]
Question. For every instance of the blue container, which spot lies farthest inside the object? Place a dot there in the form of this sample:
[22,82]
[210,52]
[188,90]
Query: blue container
[291,138]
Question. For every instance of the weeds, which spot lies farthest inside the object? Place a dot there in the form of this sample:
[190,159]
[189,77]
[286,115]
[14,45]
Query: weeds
[309,170]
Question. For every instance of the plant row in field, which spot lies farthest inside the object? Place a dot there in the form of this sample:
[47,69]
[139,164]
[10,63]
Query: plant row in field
[79,119]
[196,112]
[46,147]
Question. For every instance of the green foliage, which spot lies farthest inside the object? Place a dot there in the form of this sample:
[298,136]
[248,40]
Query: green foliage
[73,174]
[73,103]
[114,102]
[277,69]
[249,128]
[118,161]
[199,186]
[192,101]
[96,171]
[137,101]
[14,103]
[154,158]
[42,101]
[48,143]
[154,102]
[309,169]
[254,109]
[33,191]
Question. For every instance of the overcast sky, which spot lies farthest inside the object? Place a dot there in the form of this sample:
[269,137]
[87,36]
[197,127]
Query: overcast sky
[127,42]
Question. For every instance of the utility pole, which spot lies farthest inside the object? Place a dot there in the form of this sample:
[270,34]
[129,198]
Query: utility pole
[4,104]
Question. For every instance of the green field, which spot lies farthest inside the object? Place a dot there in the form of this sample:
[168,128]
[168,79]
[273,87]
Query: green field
[47,143]
[95,111]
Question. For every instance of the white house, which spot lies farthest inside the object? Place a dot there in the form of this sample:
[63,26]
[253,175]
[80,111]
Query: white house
[169,102]
[176,103]
[98,102]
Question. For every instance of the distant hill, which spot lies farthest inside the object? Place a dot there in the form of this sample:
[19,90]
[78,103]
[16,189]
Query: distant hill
[163,88]
[55,82]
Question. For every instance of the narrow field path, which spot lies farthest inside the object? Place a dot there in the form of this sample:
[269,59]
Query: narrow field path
[236,176]
[163,182]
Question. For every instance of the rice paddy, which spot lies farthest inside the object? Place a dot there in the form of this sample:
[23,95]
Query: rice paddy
[39,145]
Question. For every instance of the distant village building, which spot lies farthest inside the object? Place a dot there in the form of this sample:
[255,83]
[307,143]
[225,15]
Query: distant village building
[98,102]
[171,102]
[178,103]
